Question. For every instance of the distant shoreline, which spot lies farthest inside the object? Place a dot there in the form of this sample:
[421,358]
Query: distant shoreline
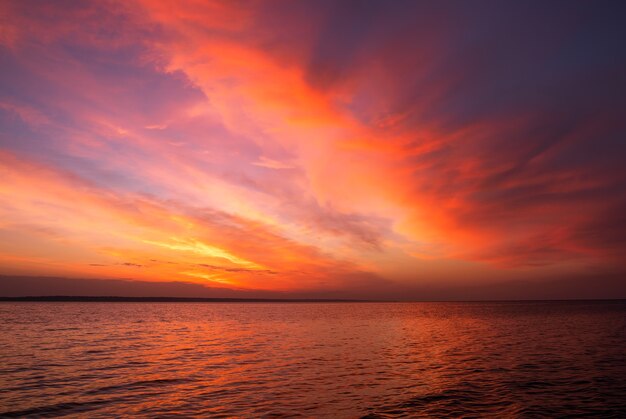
[113,299]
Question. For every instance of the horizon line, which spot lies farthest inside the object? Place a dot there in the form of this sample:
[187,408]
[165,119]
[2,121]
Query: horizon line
[87,298]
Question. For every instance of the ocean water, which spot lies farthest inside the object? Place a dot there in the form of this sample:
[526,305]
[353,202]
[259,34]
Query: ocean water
[553,359]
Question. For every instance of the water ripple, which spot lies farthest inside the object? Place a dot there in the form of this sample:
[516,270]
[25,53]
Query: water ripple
[313,360]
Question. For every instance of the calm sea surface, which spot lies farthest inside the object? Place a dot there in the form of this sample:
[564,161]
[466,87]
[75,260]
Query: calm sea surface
[313,360]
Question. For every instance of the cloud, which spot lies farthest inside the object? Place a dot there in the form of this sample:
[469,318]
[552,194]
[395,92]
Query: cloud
[113,226]
[272,164]
[318,141]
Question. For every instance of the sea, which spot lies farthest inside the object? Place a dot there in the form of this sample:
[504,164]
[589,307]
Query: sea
[334,360]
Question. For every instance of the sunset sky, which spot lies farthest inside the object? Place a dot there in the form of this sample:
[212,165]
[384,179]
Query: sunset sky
[358,149]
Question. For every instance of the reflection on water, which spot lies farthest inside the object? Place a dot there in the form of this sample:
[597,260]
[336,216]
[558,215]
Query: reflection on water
[335,359]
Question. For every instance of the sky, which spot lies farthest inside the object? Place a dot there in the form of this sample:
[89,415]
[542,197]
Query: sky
[353,149]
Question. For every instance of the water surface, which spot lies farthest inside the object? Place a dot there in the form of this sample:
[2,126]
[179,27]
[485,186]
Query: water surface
[313,359]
